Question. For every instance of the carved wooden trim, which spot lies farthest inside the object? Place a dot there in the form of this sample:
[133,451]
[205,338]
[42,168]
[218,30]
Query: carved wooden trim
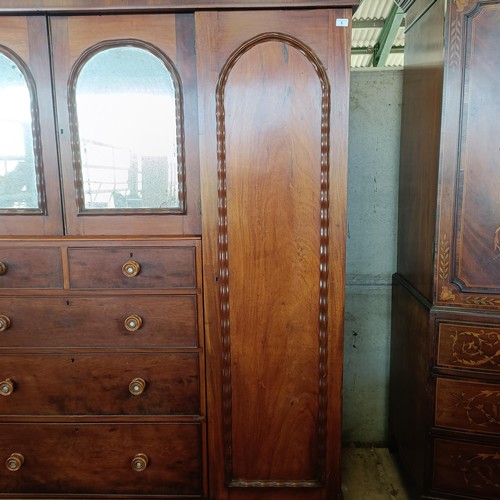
[75,142]
[37,143]
[223,262]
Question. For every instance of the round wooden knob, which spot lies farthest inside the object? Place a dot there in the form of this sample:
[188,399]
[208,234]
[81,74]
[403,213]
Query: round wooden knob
[4,322]
[137,386]
[131,268]
[6,387]
[133,323]
[3,268]
[140,462]
[14,462]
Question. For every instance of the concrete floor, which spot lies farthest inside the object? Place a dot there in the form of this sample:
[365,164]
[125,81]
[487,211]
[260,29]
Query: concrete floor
[371,474]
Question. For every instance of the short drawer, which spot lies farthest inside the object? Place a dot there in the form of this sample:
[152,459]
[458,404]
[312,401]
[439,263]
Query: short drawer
[30,268]
[132,267]
[467,405]
[469,469]
[100,384]
[101,459]
[475,347]
[106,321]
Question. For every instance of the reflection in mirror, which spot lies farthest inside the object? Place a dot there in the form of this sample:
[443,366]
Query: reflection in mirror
[18,179]
[128,128]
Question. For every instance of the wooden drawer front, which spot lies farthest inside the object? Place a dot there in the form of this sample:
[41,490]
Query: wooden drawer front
[31,268]
[99,384]
[467,468]
[467,346]
[162,267]
[96,459]
[167,321]
[465,405]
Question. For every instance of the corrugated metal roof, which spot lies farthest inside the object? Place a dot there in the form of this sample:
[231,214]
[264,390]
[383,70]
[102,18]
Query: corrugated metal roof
[373,9]
[368,24]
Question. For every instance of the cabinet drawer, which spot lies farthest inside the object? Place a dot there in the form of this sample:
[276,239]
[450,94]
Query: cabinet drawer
[467,468]
[30,268]
[475,347]
[163,321]
[132,267]
[97,459]
[100,384]
[466,405]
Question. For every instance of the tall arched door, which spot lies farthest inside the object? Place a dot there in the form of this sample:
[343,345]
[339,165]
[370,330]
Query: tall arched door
[274,89]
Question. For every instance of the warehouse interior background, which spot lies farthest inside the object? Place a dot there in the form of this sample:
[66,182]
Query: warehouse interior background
[374,134]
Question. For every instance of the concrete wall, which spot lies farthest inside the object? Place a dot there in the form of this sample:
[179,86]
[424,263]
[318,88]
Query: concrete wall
[374,134]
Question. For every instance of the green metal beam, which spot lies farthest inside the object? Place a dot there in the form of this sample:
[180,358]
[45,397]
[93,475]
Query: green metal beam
[388,35]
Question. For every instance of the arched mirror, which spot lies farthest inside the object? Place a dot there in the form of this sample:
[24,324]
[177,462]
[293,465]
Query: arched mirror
[20,186]
[127,122]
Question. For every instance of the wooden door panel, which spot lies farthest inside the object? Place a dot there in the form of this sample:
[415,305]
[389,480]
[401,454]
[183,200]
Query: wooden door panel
[468,259]
[272,141]
[273,182]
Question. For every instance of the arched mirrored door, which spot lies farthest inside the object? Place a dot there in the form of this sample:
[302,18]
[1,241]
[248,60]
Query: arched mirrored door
[128,103]
[29,179]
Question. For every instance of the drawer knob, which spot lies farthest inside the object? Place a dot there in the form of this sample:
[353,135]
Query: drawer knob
[137,386]
[3,268]
[4,322]
[140,462]
[6,387]
[131,268]
[133,323]
[14,462]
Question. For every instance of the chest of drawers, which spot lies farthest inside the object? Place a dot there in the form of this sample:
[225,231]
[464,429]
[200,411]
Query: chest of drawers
[101,363]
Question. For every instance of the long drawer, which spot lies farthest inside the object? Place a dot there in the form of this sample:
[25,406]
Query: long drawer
[467,405]
[466,468]
[106,321]
[132,267]
[100,384]
[84,459]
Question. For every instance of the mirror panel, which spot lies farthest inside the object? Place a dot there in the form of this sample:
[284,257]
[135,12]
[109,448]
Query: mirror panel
[129,129]
[19,187]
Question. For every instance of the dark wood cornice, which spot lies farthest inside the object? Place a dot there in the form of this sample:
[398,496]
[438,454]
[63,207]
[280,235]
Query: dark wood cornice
[42,6]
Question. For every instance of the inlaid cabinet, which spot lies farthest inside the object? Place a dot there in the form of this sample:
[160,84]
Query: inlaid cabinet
[445,391]
[172,232]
